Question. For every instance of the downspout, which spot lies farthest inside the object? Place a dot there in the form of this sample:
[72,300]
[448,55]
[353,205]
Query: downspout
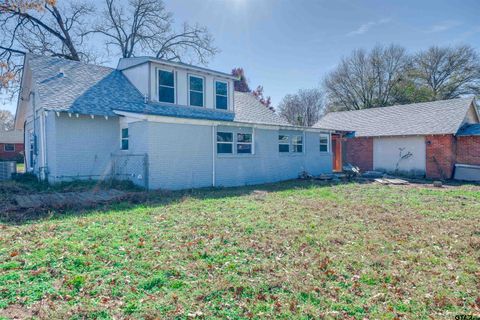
[213,156]
[44,146]
[35,150]
[41,169]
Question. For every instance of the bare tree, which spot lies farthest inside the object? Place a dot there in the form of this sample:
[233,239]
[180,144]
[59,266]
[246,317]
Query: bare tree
[366,79]
[303,108]
[41,27]
[6,120]
[144,26]
[448,72]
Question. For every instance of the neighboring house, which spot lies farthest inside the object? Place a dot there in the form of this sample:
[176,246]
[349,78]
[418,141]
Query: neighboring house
[422,139]
[11,145]
[161,124]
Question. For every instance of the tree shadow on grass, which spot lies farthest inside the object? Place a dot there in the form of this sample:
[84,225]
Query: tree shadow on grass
[159,198]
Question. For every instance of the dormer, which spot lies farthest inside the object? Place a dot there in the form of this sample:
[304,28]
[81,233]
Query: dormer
[180,84]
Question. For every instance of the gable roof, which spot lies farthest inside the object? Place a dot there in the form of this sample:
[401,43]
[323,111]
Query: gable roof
[76,87]
[437,117]
[13,136]
[125,63]
[249,109]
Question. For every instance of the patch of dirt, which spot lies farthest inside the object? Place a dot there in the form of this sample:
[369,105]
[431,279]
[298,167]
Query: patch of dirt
[42,204]
[259,194]
[16,311]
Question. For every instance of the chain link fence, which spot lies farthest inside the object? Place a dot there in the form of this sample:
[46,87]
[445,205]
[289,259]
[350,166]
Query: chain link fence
[133,167]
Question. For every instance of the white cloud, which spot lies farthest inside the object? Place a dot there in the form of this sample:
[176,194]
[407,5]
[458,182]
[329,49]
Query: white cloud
[444,26]
[367,26]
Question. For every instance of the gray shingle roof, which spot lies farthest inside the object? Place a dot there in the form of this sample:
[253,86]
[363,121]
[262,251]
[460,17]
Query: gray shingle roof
[13,136]
[437,117]
[96,90]
[249,109]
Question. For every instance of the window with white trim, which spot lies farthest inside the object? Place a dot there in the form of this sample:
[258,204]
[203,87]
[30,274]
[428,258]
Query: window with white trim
[9,147]
[124,139]
[196,91]
[283,143]
[166,86]
[224,142]
[221,95]
[244,143]
[324,142]
[297,143]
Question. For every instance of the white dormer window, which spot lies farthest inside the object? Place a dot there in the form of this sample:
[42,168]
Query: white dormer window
[196,91]
[221,95]
[166,86]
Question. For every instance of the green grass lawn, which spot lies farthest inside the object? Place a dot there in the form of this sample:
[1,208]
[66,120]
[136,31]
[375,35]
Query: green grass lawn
[293,250]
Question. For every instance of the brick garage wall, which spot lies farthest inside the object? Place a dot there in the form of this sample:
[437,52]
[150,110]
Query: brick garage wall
[359,152]
[441,156]
[468,150]
[4,155]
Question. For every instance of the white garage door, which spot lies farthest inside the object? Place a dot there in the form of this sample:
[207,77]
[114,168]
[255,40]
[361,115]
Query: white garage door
[405,155]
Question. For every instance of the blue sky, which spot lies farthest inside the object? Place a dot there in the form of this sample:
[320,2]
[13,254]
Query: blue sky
[289,45]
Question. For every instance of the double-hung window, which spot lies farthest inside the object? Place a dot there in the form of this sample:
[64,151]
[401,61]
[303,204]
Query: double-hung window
[283,143]
[324,142]
[166,86]
[221,95]
[244,143]
[224,142]
[297,143]
[196,91]
[124,139]
[9,147]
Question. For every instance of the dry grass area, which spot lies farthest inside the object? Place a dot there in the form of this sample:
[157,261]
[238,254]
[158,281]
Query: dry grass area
[299,249]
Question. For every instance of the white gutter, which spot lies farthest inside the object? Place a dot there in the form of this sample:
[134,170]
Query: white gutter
[175,120]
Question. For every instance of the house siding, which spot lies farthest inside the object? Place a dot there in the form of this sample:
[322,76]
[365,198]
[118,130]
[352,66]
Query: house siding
[81,147]
[441,156]
[387,153]
[269,165]
[181,85]
[183,157]
[11,155]
[180,156]
[359,152]
[468,150]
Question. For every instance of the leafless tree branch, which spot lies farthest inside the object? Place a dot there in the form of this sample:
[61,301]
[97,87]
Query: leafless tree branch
[145,27]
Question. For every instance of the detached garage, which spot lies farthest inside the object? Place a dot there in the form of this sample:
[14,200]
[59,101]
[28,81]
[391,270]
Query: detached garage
[423,139]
